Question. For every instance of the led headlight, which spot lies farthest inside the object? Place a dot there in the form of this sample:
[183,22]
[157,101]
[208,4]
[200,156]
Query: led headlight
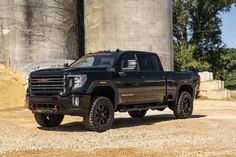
[79,80]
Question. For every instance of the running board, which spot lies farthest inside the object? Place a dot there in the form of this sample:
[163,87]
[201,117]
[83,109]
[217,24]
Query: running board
[142,108]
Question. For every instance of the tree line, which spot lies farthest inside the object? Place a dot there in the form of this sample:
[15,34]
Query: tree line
[198,44]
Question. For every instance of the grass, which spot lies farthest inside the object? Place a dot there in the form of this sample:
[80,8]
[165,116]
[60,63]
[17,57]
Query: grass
[230,85]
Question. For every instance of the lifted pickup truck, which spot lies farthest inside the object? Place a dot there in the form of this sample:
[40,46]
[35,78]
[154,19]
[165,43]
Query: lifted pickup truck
[99,84]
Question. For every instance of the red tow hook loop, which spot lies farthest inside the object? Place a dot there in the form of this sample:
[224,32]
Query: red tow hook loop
[56,108]
[33,107]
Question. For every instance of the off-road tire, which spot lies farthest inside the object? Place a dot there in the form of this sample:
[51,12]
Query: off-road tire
[137,114]
[48,120]
[100,116]
[183,108]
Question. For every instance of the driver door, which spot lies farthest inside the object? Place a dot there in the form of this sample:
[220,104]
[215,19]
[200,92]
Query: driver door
[128,82]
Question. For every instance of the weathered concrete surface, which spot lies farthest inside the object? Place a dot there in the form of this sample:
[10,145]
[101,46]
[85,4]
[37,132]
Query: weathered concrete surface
[130,25]
[206,76]
[37,30]
[233,93]
[212,85]
[212,89]
[220,94]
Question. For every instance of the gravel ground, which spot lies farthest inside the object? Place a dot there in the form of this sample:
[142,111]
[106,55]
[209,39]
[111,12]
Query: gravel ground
[211,132]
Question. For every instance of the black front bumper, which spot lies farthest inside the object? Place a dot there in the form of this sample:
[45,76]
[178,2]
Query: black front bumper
[47,105]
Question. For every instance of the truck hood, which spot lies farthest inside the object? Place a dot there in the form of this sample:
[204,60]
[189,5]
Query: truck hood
[69,70]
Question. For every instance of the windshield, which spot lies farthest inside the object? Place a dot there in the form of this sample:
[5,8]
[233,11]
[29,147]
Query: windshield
[96,60]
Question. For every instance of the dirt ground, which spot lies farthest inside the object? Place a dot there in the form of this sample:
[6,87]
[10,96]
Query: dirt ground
[210,132]
[12,87]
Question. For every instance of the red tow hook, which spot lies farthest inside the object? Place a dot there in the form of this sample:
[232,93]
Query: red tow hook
[32,106]
[56,108]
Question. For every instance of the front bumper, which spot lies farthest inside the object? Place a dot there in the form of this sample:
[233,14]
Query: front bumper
[58,105]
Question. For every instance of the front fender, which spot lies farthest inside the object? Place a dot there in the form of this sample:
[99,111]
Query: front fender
[104,83]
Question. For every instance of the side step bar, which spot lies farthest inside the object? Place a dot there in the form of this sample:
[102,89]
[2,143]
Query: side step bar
[142,108]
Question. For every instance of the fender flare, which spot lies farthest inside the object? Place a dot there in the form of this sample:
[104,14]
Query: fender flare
[183,83]
[105,83]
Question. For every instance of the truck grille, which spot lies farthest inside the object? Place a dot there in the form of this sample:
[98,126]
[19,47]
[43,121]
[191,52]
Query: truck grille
[47,85]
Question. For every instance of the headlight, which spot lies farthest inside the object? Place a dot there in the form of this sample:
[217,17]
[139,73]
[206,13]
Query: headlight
[79,80]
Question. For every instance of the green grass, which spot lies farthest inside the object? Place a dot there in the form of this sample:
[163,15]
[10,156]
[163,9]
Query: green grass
[230,85]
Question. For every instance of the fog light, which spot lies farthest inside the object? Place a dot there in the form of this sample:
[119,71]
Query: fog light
[75,101]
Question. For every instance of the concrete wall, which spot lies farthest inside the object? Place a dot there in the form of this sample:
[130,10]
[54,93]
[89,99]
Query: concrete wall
[37,30]
[130,25]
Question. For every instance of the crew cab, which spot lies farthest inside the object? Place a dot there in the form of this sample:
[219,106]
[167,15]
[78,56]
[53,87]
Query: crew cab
[100,84]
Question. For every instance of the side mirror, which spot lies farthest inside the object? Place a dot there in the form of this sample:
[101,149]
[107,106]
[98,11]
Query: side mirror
[66,65]
[131,65]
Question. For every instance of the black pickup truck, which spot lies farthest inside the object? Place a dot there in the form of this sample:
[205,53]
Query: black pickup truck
[99,84]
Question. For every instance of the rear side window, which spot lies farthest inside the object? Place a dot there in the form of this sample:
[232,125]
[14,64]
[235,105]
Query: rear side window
[147,62]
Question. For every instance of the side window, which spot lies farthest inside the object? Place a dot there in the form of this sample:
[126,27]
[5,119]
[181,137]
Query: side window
[147,62]
[129,56]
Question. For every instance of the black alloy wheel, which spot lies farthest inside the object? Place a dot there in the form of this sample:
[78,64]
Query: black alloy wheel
[100,116]
[183,108]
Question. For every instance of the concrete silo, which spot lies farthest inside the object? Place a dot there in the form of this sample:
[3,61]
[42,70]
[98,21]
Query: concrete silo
[13,44]
[37,30]
[130,25]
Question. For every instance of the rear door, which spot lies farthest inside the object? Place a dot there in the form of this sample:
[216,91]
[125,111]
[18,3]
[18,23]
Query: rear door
[153,78]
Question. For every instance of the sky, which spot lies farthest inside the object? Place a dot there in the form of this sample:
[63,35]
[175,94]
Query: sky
[229,28]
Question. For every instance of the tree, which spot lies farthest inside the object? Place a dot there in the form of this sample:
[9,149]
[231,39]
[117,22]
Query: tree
[205,25]
[197,24]
[184,60]
[227,62]
[181,22]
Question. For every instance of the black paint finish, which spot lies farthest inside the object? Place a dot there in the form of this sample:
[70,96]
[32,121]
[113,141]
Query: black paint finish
[126,89]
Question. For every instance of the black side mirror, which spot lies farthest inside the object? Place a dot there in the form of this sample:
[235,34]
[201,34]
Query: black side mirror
[132,64]
[66,65]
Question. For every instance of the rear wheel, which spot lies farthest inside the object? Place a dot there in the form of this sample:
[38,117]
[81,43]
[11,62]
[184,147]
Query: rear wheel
[137,114]
[184,107]
[101,115]
[48,120]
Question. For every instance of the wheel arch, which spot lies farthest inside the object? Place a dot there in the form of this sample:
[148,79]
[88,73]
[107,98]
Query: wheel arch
[104,88]
[184,87]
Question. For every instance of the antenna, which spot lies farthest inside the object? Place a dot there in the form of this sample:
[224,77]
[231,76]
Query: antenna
[118,50]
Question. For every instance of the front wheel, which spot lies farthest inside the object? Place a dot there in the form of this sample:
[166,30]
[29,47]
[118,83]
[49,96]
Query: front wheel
[101,115]
[48,120]
[184,106]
